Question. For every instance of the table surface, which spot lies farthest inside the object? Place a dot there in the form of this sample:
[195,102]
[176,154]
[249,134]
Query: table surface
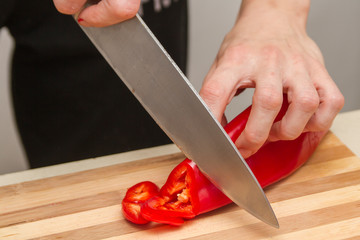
[346,127]
[321,200]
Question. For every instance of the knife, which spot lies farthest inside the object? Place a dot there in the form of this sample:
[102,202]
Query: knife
[152,76]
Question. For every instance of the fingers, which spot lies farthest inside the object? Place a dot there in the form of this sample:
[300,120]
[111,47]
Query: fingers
[218,88]
[216,94]
[314,101]
[303,102]
[108,12]
[229,73]
[235,70]
[302,106]
[69,6]
[104,13]
[267,101]
[331,102]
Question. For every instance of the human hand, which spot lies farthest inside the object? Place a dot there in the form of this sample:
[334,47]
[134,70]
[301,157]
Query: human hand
[268,49]
[104,13]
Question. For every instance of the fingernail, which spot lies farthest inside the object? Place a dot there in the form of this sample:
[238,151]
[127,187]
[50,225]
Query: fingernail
[82,22]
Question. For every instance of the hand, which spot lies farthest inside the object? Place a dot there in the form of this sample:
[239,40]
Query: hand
[104,13]
[268,49]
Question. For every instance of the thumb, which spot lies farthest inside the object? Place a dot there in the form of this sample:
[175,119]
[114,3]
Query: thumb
[108,12]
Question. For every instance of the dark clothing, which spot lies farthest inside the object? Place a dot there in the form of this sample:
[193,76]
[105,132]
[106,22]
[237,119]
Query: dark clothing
[69,104]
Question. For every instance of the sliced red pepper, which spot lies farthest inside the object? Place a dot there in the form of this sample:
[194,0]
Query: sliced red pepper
[187,192]
[135,196]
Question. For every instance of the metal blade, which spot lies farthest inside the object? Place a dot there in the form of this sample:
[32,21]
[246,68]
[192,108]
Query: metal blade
[153,77]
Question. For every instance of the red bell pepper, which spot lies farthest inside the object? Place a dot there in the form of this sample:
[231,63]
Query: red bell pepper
[188,193]
[135,196]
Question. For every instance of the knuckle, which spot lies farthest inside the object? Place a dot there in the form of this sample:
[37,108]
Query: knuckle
[235,54]
[125,9]
[254,139]
[297,59]
[268,99]
[271,52]
[308,102]
[211,91]
[337,102]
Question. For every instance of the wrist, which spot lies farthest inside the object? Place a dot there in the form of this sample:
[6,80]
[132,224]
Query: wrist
[275,12]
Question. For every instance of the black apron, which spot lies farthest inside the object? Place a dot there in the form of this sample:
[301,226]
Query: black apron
[68,103]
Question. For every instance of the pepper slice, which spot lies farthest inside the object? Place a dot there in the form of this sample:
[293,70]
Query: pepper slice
[188,193]
[135,196]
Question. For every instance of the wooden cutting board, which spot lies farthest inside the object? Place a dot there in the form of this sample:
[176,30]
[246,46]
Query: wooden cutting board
[319,201]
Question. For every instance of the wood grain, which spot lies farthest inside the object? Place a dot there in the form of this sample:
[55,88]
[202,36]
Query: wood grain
[319,201]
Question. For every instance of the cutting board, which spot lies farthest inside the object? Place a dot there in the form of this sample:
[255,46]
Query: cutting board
[319,201]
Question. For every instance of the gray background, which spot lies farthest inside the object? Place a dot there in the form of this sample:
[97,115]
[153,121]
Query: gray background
[334,25]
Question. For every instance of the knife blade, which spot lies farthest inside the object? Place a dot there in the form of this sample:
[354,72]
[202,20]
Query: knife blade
[152,76]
